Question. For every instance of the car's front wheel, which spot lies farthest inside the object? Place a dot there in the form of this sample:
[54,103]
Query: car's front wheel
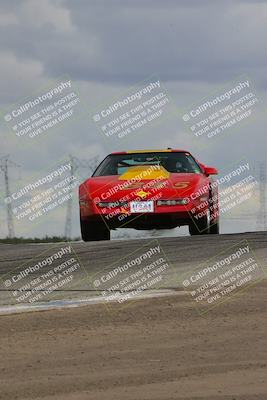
[93,231]
[214,228]
[200,226]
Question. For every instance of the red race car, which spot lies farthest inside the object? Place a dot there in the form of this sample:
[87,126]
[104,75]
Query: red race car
[149,189]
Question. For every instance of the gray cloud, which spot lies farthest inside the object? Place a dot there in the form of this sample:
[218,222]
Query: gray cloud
[124,42]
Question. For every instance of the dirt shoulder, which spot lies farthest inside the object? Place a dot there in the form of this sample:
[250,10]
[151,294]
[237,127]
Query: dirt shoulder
[158,349]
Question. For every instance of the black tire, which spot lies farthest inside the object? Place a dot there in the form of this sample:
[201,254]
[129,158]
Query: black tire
[199,226]
[91,231]
[215,228]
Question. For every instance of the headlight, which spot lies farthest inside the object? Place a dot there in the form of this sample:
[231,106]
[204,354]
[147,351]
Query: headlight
[176,202]
[111,204]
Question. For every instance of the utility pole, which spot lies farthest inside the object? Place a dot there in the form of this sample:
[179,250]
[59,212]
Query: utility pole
[76,163]
[5,163]
[262,218]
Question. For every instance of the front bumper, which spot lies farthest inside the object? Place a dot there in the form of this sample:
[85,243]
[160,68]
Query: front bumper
[163,217]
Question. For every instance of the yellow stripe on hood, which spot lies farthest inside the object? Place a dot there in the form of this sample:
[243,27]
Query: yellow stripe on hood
[149,151]
[145,172]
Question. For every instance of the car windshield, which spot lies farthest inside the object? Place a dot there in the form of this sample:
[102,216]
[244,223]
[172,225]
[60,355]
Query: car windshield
[174,162]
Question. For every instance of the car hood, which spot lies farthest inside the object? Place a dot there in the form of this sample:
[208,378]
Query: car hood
[182,184]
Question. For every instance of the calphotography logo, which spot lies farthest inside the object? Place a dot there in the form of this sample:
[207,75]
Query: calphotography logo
[223,112]
[132,277]
[221,277]
[46,277]
[141,108]
[41,113]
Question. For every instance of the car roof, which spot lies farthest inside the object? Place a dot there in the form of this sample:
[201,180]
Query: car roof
[151,151]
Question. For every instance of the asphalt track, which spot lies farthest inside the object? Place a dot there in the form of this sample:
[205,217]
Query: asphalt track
[182,253]
[159,348]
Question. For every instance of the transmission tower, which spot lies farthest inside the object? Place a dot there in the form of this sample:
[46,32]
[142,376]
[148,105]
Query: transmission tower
[69,204]
[262,218]
[5,163]
[76,163]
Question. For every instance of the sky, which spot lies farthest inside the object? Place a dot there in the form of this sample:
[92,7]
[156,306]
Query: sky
[197,49]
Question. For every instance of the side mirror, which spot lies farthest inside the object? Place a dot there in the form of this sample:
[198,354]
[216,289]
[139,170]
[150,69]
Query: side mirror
[210,171]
